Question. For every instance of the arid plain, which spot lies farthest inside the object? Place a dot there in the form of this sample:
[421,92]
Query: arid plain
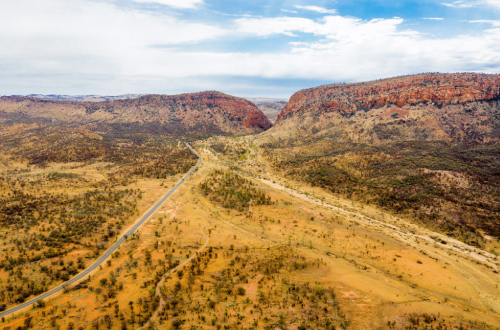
[244,244]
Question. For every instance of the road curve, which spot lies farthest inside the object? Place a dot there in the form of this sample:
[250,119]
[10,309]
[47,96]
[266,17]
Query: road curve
[112,248]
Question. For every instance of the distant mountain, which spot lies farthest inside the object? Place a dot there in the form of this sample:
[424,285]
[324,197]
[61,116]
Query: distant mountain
[201,114]
[82,98]
[269,106]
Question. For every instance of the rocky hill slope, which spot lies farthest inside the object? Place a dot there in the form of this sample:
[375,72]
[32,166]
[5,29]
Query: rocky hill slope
[204,113]
[426,146]
[446,107]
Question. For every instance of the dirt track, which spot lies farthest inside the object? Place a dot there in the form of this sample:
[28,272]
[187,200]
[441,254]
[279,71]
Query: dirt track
[170,272]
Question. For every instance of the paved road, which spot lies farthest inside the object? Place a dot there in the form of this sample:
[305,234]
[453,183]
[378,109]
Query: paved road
[111,249]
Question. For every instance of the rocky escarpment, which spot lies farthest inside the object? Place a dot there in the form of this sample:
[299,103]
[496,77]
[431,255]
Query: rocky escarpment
[449,107]
[197,113]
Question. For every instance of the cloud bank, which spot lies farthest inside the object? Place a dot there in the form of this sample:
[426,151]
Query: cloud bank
[82,46]
[183,4]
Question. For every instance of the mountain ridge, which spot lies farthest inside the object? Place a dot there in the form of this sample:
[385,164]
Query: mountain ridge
[458,108]
[204,112]
[80,98]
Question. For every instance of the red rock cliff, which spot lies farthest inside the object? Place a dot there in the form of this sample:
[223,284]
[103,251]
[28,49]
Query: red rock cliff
[432,89]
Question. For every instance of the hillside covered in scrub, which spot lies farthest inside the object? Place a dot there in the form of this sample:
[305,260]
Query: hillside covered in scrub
[425,145]
[197,114]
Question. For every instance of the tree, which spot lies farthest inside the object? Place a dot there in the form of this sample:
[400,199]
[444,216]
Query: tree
[177,323]
[241,291]
[148,257]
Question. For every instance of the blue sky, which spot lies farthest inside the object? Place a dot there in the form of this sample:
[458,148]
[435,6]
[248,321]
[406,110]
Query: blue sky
[244,48]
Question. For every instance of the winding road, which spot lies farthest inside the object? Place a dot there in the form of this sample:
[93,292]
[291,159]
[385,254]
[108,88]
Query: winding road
[112,248]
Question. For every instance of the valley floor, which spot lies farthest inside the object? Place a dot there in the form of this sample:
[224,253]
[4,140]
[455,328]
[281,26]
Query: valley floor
[309,260]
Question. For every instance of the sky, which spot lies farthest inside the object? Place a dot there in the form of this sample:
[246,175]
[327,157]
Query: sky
[244,48]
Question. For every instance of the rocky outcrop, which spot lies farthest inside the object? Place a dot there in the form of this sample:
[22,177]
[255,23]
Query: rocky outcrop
[198,113]
[450,107]
[430,89]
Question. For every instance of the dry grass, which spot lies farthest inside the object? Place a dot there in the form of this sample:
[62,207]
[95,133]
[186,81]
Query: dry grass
[380,277]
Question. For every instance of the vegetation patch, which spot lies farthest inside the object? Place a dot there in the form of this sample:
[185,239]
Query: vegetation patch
[232,191]
[453,189]
[254,289]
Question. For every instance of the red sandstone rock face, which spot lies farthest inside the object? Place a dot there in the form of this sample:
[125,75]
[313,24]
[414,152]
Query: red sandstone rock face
[451,108]
[204,113]
[430,89]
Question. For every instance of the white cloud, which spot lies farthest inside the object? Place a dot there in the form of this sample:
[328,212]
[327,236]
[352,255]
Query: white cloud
[182,4]
[233,15]
[485,21]
[331,27]
[493,3]
[317,9]
[289,11]
[461,4]
[264,27]
[472,3]
[434,18]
